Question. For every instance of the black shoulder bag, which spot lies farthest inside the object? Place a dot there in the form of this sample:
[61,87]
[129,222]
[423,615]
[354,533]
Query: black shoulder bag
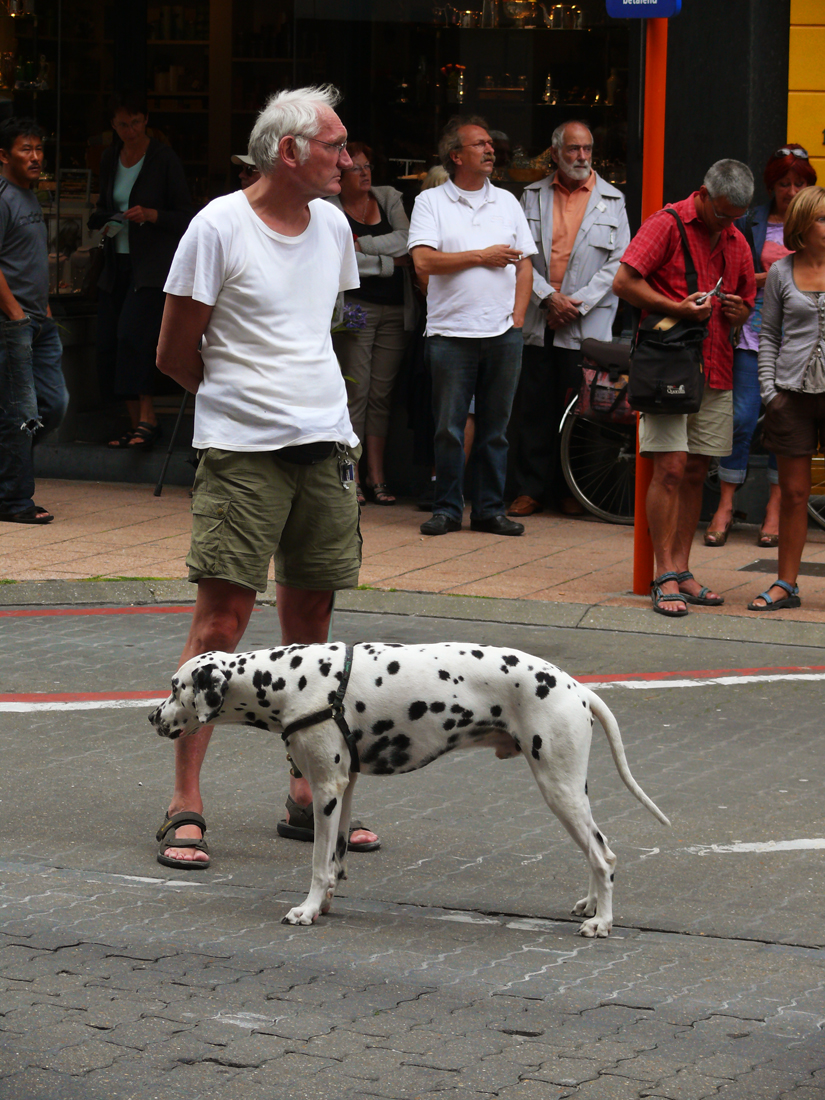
[667,368]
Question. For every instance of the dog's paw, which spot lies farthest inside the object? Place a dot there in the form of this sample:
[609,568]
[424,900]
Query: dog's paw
[301,914]
[585,907]
[596,927]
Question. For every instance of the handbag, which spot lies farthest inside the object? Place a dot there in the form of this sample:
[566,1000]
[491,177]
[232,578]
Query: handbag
[603,393]
[667,367]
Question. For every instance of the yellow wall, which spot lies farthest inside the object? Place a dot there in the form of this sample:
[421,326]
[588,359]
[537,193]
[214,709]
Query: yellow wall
[806,80]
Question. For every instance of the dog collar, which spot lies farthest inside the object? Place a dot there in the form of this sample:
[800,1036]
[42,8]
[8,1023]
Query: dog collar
[334,711]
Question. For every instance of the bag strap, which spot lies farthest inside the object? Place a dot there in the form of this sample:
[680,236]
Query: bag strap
[691,278]
[747,233]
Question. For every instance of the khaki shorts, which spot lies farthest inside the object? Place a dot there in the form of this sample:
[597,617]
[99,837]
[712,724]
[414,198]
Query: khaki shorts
[706,432]
[250,506]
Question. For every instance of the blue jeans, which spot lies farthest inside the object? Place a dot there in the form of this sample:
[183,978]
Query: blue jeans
[33,402]
[746,405]
[489,368]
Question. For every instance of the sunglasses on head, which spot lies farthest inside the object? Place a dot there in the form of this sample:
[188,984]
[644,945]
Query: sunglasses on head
[786,152]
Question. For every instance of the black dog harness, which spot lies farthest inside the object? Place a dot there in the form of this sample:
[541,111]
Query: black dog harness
[336,711]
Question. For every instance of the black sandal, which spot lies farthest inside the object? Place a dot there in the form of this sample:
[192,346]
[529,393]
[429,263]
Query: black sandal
[122,442]
[185,817]
[301,826]
[145,436]
[380,493]
[659,597]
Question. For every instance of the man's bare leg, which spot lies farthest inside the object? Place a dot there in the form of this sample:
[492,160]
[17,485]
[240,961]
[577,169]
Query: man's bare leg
[221,615]
[690,508]
[663,507]
[304,616]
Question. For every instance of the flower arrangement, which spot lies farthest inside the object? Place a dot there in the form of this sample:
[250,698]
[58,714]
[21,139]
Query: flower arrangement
[354,319]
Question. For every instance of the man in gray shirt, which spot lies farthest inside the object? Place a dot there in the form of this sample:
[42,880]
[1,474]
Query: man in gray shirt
[33,396]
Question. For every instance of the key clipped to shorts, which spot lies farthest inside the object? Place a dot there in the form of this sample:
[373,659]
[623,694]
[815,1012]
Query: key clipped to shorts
[346,467]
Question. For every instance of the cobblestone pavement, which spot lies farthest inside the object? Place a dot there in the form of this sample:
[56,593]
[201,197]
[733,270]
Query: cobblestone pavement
[449,967]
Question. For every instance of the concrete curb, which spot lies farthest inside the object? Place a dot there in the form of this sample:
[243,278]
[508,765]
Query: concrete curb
[699,624]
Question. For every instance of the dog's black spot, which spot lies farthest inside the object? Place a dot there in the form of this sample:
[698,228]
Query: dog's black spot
[453,739]
[476,653]
[296,661]
[360,707]
[337,758]
[584,702]
[383,725]
[341,874]
[379,680]
[260,724]
[510,660]
[585,786]
[599,838]
[325,667]
[495,711]
[250,715]
[438,707]
[536,746]
[341,846]
[542,691]
[302,683]
[393,667]
[443,674]
[330,806]
[416,710]
[449,724]
[261,679]
[279,684]
[516,742]
[276,654]
[613,877]
[371,754]
[382,766]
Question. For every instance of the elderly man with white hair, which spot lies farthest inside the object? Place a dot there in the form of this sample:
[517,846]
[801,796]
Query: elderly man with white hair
[246,328]
[579,224]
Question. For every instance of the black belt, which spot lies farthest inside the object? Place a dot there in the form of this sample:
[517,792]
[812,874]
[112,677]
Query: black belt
[306,454]
[336,711]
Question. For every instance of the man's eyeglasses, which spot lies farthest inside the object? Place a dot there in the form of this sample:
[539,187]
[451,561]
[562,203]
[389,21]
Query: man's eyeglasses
[785,152]
[361,168]
[479,145]
[338,146]
[721,217]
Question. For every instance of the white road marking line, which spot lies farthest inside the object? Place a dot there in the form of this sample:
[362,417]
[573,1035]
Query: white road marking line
[759,846]
[80,704]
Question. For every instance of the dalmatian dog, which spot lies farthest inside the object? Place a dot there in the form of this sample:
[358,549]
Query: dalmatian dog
[404,706]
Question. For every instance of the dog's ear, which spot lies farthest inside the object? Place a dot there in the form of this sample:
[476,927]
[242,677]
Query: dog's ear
[209,685]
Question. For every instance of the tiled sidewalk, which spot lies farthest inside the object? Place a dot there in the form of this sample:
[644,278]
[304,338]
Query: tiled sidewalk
[105,530]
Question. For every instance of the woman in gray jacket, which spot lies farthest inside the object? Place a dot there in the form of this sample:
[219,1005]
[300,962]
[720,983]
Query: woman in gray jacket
[370,358]
[792,381]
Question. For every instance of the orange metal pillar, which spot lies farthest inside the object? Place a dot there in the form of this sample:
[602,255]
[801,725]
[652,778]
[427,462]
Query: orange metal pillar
[652,196]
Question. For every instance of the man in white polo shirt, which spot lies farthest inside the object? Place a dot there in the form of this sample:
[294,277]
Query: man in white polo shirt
[471,241]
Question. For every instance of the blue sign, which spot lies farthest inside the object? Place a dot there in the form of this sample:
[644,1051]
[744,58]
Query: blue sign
[643,9]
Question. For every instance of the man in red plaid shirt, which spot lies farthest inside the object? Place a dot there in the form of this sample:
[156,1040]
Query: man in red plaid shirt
[652,278]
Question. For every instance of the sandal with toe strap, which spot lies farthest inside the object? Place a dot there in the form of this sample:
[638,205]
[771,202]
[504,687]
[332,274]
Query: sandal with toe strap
[301,826]
[145,436]
[791,600]
[380,493]
[122,441]
[659,597]
[185,817]
[702,597]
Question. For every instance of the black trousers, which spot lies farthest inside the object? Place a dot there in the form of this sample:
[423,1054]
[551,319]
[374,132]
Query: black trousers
[550,377]
[128,326]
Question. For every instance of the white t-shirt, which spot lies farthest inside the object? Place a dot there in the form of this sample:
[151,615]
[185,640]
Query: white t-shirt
[270,378]
[477,302]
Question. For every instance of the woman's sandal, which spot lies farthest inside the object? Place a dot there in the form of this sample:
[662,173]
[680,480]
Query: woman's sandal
[659,597]
[301,826]
[144,436]
[122,442]
[718,538]
[702,597]
[791,600]
[185,817]
[380,493]
[359,495]
[766,541]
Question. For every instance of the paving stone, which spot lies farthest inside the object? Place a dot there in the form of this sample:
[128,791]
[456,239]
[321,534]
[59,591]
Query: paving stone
[490,1074]
[460,1052]
[530,1089]
[301,1025]
[687,1084]
[140,1034]
[294,1067]
[81,1058]
[43,1084]
[606,1087]
[254,1051]
[404,1083]
[649,1065]
[66,1033]
[38,1016]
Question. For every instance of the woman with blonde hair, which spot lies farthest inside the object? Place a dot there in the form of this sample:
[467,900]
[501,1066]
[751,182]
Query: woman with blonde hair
[792,382]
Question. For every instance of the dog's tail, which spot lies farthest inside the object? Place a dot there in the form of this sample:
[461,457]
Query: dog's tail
[614,739]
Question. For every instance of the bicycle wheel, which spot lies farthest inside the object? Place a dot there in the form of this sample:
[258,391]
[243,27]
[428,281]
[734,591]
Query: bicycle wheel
[816,501]
[599,464]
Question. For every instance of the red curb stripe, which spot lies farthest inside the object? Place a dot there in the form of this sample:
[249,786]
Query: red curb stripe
[700,674]
[98,611]
[83,696]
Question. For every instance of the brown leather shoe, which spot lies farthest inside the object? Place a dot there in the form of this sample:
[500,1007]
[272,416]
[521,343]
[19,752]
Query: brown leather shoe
[524,506]
[569,506]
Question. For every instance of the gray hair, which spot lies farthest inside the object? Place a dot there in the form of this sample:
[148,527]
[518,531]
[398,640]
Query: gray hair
[451,139]
[557,140]
[731,180]
[292,111]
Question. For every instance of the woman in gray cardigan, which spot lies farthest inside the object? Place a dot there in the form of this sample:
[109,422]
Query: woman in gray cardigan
[370,359]
[792,381]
